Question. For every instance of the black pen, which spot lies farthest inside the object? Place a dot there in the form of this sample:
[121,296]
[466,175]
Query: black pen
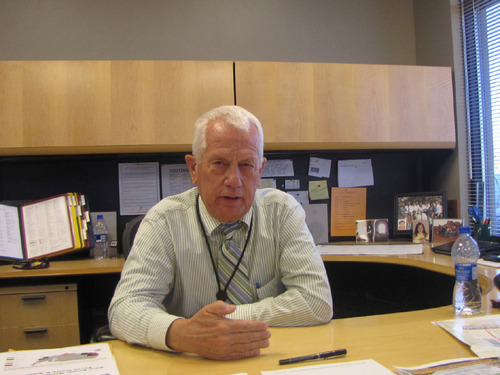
[333,353]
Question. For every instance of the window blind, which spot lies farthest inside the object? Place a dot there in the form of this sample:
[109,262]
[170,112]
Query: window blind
[481,36]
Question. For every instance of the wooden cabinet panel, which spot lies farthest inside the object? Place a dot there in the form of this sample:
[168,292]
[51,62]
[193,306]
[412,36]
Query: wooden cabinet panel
[107,106]
[348,106]
[38,317]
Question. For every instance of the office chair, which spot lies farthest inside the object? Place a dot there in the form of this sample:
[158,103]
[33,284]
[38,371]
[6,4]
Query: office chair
[103,333]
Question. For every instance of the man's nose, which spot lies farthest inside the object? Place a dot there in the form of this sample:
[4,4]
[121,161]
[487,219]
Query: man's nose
[233,176]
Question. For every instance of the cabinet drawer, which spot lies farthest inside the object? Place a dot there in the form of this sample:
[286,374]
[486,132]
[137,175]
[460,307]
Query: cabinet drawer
[39,337]
[38,306]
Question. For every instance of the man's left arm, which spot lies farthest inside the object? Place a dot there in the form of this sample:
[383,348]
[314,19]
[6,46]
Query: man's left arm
[302,295]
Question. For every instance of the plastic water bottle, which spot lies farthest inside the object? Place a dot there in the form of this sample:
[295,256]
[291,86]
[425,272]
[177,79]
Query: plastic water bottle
[466,294]
[101,239]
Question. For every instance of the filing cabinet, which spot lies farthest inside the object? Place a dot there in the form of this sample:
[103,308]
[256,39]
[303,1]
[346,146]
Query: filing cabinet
[34,317]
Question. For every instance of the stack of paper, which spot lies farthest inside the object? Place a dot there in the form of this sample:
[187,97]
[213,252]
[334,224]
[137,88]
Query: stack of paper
[372,249]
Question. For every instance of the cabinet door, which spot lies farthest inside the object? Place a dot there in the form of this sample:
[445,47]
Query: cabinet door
[348,106]
[101,106]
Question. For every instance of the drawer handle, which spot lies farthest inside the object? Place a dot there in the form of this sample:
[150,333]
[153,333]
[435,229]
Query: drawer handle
[33,298]
[35,330]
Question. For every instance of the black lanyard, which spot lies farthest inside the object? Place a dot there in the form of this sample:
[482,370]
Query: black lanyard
[222,293]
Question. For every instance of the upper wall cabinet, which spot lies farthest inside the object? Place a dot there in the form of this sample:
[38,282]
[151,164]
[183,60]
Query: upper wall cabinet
[107,106]
[348,106]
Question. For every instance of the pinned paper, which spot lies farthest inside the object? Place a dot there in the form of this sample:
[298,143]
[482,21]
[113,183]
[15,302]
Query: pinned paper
[319,167]
[292,184]
[354,173]
[318,190]
[347,206]
[278,168]
[267,183]
[301,196]
[139,185]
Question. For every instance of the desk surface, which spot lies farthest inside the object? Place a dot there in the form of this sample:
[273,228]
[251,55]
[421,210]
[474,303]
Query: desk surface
[400,339]
[66,268]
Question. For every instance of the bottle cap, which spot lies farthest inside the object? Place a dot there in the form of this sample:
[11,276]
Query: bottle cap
[462,230]
[99,217]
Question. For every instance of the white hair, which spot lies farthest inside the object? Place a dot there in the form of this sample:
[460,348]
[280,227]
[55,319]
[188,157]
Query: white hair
[232,115]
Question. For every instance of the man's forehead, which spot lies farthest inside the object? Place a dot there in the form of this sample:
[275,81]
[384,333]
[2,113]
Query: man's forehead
[223,153]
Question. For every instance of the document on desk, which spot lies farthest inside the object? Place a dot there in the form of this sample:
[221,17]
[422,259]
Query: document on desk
[371,249]
[367,366]
[92,359]
[460,366]
[482,334]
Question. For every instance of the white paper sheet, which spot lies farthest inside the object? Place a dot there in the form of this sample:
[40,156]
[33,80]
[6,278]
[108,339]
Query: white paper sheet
[278,168]
[368,366]
[10,233]
[139,187]
[175,179]
[354,173]
[319,167]
[302,196]
[93,359]
[481,333]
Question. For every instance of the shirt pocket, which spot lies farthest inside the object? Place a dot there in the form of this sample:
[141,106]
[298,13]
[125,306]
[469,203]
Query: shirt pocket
[272,288]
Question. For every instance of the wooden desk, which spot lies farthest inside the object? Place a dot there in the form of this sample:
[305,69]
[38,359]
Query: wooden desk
[65,268]
[401,339]
[95,281]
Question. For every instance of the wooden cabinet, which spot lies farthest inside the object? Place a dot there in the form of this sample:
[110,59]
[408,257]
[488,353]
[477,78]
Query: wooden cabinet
[38,317]
[348,106]
[107,106]
[75,107]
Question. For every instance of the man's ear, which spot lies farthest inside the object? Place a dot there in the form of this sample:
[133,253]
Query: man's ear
[191,163]
[262,166]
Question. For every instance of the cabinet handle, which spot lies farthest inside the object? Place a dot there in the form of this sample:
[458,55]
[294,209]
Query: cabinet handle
[35,330]
[33,298]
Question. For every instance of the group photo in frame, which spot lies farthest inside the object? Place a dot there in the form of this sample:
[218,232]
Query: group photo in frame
[409,207]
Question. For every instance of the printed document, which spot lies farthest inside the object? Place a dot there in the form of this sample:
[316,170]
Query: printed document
[368,366]
[482,334]
[92,359]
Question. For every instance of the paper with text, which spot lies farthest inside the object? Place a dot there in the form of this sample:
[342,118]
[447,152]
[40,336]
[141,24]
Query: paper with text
[278,168]
[354,173]
[139,187]
[175,179]
[92,359]
[10,233]
[347,206]
[47,226]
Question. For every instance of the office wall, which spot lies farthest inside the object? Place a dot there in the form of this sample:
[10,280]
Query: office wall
[344,31]
[353,31]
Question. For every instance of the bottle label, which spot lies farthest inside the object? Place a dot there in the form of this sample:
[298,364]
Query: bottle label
[466,272]
[101,238]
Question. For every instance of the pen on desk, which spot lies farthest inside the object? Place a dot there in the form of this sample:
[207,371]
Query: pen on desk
[333,353]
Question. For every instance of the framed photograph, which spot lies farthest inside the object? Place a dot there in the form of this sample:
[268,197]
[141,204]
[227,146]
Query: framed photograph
[445,230]
[375,230]
[420,231]
[417,206]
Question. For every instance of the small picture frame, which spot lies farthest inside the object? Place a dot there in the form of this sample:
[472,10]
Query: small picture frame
[374,230]
[417,206]
[420,231]
[445,230]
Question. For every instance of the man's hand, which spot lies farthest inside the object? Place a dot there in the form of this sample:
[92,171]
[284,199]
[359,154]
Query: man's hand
[209,334]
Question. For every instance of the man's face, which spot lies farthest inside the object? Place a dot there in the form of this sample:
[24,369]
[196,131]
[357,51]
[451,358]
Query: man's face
[229,171]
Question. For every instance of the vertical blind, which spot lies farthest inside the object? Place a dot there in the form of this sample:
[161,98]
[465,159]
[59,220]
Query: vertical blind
[481,36]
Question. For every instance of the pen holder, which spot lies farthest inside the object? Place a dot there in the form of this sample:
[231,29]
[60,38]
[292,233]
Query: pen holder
[482,232]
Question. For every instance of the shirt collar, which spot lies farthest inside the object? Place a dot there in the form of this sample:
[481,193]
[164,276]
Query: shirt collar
[212,224]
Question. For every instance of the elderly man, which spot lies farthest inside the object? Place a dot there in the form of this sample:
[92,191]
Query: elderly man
[213,267]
